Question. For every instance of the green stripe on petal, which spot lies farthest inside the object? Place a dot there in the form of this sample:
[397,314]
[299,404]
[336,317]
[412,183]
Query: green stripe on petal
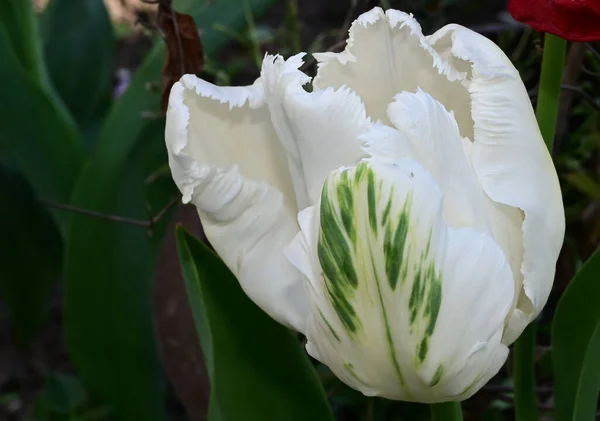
[395,244]
[388,263]
[437,376]
[372,202]
[349,367]
[331,329]
[388,331]
[367,250]
[425,300]
[336,249]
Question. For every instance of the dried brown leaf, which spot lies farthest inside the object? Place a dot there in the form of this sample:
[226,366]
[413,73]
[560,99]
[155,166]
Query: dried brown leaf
[185,53]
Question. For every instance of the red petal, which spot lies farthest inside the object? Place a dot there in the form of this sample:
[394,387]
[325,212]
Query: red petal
[575,20]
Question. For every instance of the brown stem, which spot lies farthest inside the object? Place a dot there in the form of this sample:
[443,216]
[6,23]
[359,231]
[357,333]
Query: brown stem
[149,224]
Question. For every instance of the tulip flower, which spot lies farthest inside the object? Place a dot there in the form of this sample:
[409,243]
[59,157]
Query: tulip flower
[403,214]
[574,20]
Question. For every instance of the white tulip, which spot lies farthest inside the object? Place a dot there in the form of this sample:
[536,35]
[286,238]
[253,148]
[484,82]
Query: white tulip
[404,215]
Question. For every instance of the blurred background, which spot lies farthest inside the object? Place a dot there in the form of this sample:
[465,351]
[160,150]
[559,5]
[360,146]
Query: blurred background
[94,320]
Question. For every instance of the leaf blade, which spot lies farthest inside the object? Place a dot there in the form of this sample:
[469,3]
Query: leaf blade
[31,236]
[18,20]
[257,367]
[48,152]
[96,275]
[79,47]
[576,345]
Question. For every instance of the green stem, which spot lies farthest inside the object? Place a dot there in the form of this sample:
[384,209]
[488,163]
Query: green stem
[447,411]
[293,24]
[371,409]
[524,376]
[254,43]
[553,62]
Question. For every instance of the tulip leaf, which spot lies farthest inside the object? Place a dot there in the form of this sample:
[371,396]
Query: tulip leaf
[108,272]
[39,136]
[585,184]
[257,367]
[18,21]
[35,128]
[576,346]
[30,262]
[79,48]
[109,266]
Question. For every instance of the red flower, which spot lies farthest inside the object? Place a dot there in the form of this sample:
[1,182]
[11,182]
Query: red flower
[575,20]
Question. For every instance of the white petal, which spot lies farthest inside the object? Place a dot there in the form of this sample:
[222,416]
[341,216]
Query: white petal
[478,293]
[427,132]
[511,160]
[226,159]
[404,307]
[434,137]
[386,143]
[319,130]
[224,126]
[386,54]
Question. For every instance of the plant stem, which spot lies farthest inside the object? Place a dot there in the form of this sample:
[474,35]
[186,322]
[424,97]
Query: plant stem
[371,410]
[447,411]
[524,376]
[252,34]
[293,23]
[553,62]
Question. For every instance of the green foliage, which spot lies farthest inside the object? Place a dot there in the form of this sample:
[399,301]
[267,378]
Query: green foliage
[30,265]
[79,49]
[65,398]
[62,394]
[108,275]
[38,136]
[576,346]
[36,129]
[109,267]
[18,20]
[258,369]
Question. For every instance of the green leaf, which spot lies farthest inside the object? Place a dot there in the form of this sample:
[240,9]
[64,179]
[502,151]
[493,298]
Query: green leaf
[576,345]
[31,260]
[38,134]
[62,393]
[585,184]
[108,274]
[108,266]
[36,129]
[18,21]
[258,369]
[79,48]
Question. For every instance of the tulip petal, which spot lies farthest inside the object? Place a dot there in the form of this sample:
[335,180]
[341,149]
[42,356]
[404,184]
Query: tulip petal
[227,161]
[435,139]
[404,307]
[386,53]
[319,129]
[511,162]
[474,80]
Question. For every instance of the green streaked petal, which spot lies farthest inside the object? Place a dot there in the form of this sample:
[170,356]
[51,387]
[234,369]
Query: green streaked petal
[356,205]
[397,289]
[336,248]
